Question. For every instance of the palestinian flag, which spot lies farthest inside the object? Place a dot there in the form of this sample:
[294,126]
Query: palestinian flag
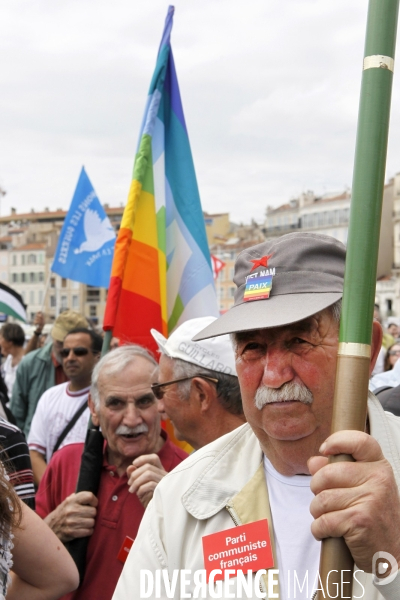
[11,303]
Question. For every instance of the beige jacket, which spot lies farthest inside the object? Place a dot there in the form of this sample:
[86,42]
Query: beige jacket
[221,485]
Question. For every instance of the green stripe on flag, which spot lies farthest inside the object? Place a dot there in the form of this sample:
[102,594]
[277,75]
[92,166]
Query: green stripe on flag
[5,308]
[176,313]
[161,230]
[143,168]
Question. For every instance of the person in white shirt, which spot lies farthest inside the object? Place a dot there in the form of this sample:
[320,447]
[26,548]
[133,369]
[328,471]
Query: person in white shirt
[12,339]
[59,404]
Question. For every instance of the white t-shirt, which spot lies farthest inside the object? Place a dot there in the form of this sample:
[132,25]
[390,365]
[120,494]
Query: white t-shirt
[9,373]
[296,548]
[55,409]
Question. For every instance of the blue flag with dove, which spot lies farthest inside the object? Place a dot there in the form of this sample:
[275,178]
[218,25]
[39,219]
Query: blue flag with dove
[86,245]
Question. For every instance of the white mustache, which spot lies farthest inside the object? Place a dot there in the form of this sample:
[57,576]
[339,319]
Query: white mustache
[124,430]
[288,391]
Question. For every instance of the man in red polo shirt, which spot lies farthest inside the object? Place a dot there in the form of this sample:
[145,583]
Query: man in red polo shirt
[122,403]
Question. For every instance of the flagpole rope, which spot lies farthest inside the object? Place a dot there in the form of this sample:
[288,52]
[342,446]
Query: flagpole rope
[46,289]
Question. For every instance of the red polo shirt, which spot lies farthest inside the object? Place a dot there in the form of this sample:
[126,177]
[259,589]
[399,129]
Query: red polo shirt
[118,514]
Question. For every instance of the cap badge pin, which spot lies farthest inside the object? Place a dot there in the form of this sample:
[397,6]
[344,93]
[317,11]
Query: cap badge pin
[259,285]
[260,262]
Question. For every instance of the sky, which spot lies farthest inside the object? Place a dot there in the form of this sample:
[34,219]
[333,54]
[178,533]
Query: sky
[270,92]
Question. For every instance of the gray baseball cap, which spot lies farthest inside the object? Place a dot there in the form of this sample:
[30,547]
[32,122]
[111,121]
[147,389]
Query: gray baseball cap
[282,281]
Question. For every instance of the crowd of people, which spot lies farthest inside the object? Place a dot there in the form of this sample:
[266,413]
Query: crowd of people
[251,392]
[58,386]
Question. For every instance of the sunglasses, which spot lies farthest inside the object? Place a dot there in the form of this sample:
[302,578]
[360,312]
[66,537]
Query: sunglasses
[79,351]
[157,388]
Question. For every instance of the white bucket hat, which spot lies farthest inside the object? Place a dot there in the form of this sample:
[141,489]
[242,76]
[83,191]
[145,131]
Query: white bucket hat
[215,353]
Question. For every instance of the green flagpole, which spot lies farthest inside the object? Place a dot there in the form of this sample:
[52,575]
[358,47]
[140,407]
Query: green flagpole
[106,343]
[351,391]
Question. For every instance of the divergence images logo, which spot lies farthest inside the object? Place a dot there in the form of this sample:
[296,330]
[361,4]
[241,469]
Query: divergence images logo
[382,563]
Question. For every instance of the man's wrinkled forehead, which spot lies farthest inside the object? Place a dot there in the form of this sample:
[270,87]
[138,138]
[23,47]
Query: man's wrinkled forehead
[125,383]
[309,325]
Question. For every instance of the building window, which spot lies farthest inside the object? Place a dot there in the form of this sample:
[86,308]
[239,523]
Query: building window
[31,259]
[93,310]
[14,259]
[23,278]
[32,297]
[40,297]
[92,294]
[232,290]
[64,303]
[336,217]
[32,277]
[4,276]
[53,282]
[344,215]
[41,276]
[22,259]
[14,277]
[75,302]
[41,258]
[52,301]
[63,282]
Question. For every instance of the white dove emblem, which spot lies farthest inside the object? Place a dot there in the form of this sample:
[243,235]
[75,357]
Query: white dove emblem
[98,232]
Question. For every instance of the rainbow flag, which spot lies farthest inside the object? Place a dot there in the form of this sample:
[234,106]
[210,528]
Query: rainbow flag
[161,273]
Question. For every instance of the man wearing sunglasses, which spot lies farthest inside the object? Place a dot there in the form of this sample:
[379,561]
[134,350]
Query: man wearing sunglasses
[42,369]
[62,413]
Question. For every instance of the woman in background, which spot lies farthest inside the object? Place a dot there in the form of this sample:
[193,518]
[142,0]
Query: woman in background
[392,356]
[391,375]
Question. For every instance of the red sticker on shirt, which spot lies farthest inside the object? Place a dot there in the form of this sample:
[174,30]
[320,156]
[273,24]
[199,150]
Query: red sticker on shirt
[124,551]
[242,548]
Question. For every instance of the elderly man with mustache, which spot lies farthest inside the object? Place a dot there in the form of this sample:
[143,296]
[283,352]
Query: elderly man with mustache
[268,483]
[122,403]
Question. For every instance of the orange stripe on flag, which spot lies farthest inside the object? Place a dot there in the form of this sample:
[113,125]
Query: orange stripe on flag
[141,271]
[121,252]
